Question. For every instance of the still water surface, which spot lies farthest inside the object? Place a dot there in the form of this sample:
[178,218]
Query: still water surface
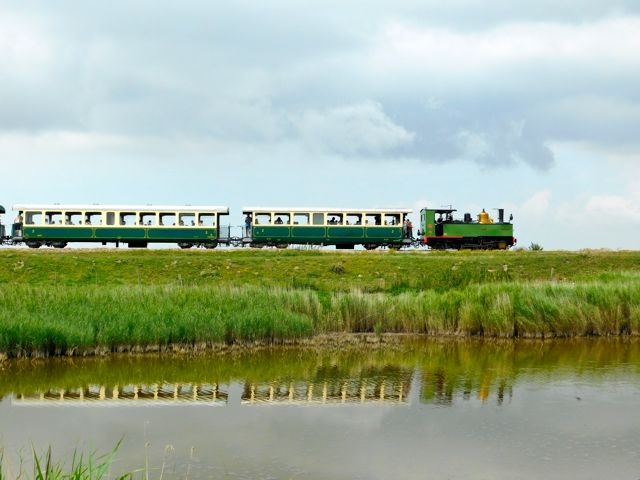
[418,409]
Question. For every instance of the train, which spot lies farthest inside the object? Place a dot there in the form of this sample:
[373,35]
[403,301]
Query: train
[138,226]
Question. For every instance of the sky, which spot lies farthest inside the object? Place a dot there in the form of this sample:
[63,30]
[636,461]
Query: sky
[529,106]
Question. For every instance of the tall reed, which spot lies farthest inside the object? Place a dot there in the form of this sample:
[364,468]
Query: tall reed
[57,320]
[90,466]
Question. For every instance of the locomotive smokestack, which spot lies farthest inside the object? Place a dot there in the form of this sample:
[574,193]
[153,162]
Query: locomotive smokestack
[501,215]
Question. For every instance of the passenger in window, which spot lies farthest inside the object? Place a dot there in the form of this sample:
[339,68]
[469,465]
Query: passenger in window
[278,221]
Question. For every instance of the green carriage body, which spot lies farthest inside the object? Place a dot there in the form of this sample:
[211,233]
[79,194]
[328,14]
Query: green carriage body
[135,225]
[343,228]
[439,230]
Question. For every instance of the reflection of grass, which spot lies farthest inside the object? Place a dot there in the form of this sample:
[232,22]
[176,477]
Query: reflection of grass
[83,467]
[459,364]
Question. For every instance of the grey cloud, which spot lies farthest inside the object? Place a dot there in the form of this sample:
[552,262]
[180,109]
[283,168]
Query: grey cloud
[294,73]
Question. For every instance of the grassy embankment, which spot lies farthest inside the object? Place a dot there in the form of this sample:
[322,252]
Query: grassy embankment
[75,301]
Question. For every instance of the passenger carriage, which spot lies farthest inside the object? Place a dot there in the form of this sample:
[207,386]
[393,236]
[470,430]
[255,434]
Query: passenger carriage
[3,231]
[136,225]
[344,228]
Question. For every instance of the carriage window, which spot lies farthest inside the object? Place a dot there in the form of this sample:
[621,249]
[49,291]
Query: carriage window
[93,218]
[53,218]
[372,219]
[392,219]
[354,219]
[281,218]
[32,218]
[147,218]
[73,218]
[127,218]
[187,219]
[301,219]
[334,218]
[207,220]
[262,219]
[167,219]
[318,218]
[111,218]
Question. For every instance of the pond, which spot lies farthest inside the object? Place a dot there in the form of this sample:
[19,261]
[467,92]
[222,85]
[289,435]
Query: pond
[404,409]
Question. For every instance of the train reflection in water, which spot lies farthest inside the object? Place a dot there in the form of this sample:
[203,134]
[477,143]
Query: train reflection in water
[385,390]
[165,393]
[429,387]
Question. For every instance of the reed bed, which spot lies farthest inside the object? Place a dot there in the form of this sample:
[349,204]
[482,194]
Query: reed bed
[497,310]
[63,321]
[55,320]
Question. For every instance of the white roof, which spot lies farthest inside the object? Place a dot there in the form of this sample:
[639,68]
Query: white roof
[321,210]
[121,208]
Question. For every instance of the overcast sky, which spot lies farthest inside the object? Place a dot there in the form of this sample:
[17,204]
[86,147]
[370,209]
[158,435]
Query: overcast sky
[530,106]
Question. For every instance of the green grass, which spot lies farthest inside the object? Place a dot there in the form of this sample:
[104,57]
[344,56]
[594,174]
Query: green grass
[320,271]
[89,466]
[81,302]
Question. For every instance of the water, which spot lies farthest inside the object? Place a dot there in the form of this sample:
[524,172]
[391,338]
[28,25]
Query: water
[418,409]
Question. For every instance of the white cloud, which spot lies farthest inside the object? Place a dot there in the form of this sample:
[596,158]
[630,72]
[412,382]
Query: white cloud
[24,48]
[613,42]
[536,206]
[612,209]
[358,129]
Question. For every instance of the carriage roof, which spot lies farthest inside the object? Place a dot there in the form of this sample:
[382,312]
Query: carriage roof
[123,208]
[322,210]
